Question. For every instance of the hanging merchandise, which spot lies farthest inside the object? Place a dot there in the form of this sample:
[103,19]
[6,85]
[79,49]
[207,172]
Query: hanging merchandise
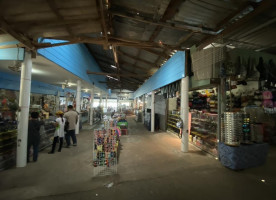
[236,129]
[246,134]
[105,151]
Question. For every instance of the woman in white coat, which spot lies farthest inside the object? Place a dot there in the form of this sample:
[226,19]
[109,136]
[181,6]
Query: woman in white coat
[59,133]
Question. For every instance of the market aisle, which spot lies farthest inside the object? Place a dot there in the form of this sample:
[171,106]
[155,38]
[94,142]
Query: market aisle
[151,166]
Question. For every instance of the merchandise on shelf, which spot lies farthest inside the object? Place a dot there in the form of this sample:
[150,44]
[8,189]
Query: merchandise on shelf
[8,138]
[237,129]
[8,128]
[105,151]
[46,133]
[204,131]
[173,119]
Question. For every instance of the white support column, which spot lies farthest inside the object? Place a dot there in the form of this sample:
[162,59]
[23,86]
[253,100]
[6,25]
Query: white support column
[152,111]
[143,108]
[78,101]
[106,101]
[117,104]
[184,106]
[57,101]
[101,98]
[91,106]
[66,102]
[24,104]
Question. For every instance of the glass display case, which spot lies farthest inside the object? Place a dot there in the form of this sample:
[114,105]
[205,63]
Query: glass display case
[46,133]
[204,131]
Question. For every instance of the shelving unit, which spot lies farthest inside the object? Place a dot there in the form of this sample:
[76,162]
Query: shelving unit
[105,151]
[204,131]
[171,123]
[7,148]
[46,133]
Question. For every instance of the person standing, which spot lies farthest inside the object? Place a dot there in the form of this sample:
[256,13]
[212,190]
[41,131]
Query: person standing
[72,117]
[59,133]
[33,136]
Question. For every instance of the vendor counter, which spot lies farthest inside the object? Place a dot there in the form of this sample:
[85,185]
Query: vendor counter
[243,156]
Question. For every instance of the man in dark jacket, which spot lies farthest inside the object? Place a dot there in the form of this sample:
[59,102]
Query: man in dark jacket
[33,136]
[72,117]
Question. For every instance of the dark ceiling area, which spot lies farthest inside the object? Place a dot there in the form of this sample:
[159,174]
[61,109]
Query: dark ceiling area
[132,39]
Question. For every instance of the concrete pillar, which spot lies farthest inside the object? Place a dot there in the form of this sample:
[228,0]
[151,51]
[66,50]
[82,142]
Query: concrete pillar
[106,101]
[152,111]
[143,108]
[24,104]
[78,102]
[101,98]
[91,106]
[117,105]
[221,104]
[184,112]
[66,102]
[57,101]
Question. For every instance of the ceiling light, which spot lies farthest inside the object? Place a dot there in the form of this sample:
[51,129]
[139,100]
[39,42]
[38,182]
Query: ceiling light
[113,66]
[37,71]
[230,46]
[137,13]
[111,77]
[108,32]
[208,46]
[263,180]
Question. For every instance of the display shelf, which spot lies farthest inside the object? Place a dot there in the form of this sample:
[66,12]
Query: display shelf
[105,151]
[8,140]
[174,115]
[171,123]
[204,131]
[46,134]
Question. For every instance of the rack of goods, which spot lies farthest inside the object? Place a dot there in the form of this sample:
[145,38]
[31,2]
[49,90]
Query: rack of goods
[46,133]
[172,123]
[204,131]
[105,151]
[8,128]
[8,137]
[241,146]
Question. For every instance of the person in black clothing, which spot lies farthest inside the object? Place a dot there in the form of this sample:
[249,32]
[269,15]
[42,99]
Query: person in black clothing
[33,136]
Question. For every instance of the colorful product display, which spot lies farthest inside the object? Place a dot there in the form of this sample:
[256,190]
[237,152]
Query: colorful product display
[106,142]
[236,129]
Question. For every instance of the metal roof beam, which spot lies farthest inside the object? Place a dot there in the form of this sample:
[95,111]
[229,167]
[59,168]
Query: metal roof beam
[22,39]
[45,23]
[168,14]
[101,13]
[134,58]
[263,6]
[53,6]
[162,54]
